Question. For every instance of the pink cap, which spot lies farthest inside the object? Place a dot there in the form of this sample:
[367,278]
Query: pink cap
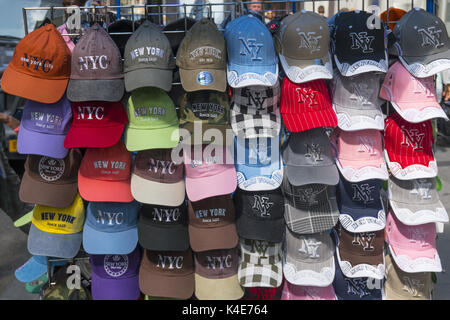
[360,154]
[210,172]
[412,247]
[413,98]
[294,292]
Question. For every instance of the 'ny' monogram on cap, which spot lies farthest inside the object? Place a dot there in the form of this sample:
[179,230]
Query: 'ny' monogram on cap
[310,247]
[260,247]
[364,239]
[431,37]
[256,100]
[418,235]
[309,41]
[171,262]
[413,138]
[214,262]
[262,204]
[313,151]
[366,144]
[423,85]
[412,286]
[357,286]
[362,41]
[360,92]
[251,48]
[307,96]
[421,188]
[309,196]
[363,193]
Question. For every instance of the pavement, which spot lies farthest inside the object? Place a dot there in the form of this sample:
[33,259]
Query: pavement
[13,243]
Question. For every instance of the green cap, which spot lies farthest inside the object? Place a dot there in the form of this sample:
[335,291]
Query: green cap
[153,120]
[36,285]
[25,219]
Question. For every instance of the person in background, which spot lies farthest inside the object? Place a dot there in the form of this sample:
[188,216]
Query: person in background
[270,15]
[252,8]
[321,11]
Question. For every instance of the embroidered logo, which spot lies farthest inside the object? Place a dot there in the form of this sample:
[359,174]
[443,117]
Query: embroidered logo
[262,204]
[366,144]
[166,214]
[365,240]
[431,37]
[363,193]
[260,247]
[109,218]
[310,247]
[421,188]
[249,47]
[89,113]
[357,287]
[255,100]
[51,169]
[313,151]
[37,63]
[309,41]
[360,93]
[171,262]
[412,138]
[362,41]
[218,262]
[307,96]
[94,62]
[423,86]
[308,196]
[165,167]
[418,235]
[115,265]
[412,286]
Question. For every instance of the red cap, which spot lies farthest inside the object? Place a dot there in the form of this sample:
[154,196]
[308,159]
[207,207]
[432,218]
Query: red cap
[306,105]
[105,174]
[96,124]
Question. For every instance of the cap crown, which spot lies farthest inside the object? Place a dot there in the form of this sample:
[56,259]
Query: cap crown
[362,243]
[206,106]
[307,196]
[311,96]
[414,192]
[260,205]
[362,145]
[360,195]
[157,165]
[163,216]
[217,264]
[116,266]
[256,99]
[208,164]
[260,252]
[212,212]
[111,216]
[95,114]
[311,248]
[176,263]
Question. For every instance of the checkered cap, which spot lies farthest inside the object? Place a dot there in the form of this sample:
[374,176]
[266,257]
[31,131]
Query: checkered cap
[260,264]
[310,208]
[254,111]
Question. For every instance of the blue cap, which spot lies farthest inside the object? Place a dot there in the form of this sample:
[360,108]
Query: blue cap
[258,163]
[252,59]
[34,268]
[111,227]
[360,205]
[347,288]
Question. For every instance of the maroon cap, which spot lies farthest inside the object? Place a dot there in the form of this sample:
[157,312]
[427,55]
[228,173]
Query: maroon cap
[263,293]
[96,124]
[212,224]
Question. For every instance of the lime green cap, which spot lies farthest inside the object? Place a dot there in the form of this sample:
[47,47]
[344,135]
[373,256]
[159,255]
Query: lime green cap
[159,298]
[25,219]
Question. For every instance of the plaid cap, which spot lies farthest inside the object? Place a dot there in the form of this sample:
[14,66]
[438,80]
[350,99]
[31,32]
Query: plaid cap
[311,208]
[254,111]
[260,264]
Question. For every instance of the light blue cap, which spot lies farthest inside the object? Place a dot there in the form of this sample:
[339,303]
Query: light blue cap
[35,267]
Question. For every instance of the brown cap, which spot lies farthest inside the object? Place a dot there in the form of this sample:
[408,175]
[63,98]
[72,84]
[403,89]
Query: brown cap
[51,182]
[212,224]
[216,275]
[167,274]
[202,58]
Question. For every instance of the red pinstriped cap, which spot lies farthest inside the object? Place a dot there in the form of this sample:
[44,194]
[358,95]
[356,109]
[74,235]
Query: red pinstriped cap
[306,105]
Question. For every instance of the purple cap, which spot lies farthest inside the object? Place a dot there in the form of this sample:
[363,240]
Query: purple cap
[115,277]
[43,128]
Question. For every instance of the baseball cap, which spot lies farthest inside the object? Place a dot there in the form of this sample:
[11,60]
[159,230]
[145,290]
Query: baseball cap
[255,111]
[303,42]
[413,98]
[422,43]
[168,274]
[260,214]
[308,259]
[262,293]
[96,124]
[306,105]
[409,148]
[43,128]
[149,60]
[309,208]
[395,14]
[115,276]
[258,163]
[40,67]
[35,267]
[104,174]
[400,285]
[308,159]
[121,31]
[216,275]
[413,248]
[210,174]
[36,285]
[202,58]
[212,224]
[50,182]
[111,227]
[361,254]
[356,103]
[294,292]
[57,232]
[182,24]
[416,201]
[252,59]
[260,264]
[356,47]
[360,154]
[96,73]
[157,179]
[153,120]
[360,206]
[203,111]
[163,228]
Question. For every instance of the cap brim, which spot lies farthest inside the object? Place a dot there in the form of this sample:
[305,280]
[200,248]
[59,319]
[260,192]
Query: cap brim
[260,275]
[413,214]
[148,77]
[414,171]
[31,88]
[357,220]
[375,169]
[115,289]
[416,112]
[426,66]
[95,90]
[162,138]
[300,221]
[157,193]
[303,175]
[362,66]
[239,76]
[297,122]
[49,145]
[25,219]
[189,80]
[94,137]
[259,178]
[56,245]
[46,194]
[173,238]
[30,271]
[222,183]
[309,274]
[402,258]
[97,242]
[359,119]
[205,239]
[103,190]
[300,71]
[268,230]
[356,266]
[218,289]
[293,292]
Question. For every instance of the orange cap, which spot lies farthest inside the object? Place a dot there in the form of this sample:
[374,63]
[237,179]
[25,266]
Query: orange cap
[395,15]
[40,67]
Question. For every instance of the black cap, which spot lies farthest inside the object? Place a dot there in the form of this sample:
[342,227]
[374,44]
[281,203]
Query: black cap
[121,39]
[260,214]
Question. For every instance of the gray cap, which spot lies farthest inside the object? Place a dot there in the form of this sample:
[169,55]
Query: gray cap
[310,208]
[309,159]
[423,44]
[356,103]
[149,60]
[416,201]
[309,259]
[96,69]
